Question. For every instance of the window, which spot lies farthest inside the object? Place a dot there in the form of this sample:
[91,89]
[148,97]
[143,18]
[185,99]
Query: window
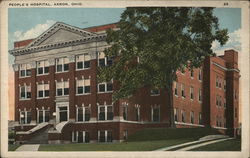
[62,64]
[105,136]
[200,118]
[199,75]
[220,101]
[105,87]
[225,103]
[82,61]
[182,116]
[137,114]
[125,134]
[192,117]
[176,117]
[25,70]
[191,93]
[183,90]
[43,116]
[200,95]
[105,112]
[25,92]
[62,88]
[192,74]
[80,136]
[103,60]
[176,88]
[154,92]
[83,86]
[125,112]
[43,90]
[217,82]
[42,67]
[83,114]
[25,117]
[155,114]
[217,100]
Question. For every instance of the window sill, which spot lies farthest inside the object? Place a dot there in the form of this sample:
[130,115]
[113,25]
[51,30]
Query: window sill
[104,92]
[83,69]
[24,76]
[176,95]
[24,99]
[153,95]
[83,94]
[42,98]
[42,74]
[61,72]
[62,96]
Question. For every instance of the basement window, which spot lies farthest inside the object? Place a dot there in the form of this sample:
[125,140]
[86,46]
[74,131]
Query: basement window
[155,114]
[80,137]
[105,136]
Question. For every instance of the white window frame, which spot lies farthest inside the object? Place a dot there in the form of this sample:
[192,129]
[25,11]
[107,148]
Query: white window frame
[83,113]
[183,114]
[125,110]
[106,135]
[63,63]
[83,62]
[63,86]
[77,136]
[44,112]
[106,87]
[43,85]
[84,80]
[25,92]
[25,117]
[105,59]
[200,118]
[25,70]
[43,67]
[105,112]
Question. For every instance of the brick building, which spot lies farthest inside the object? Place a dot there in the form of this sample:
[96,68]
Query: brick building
[57,95]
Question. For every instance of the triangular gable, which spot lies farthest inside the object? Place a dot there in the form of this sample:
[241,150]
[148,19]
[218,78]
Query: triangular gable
[60,32]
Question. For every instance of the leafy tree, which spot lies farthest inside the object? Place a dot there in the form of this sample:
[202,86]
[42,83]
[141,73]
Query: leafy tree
[165,40]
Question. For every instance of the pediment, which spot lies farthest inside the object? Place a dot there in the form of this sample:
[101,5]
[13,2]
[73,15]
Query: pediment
[60,32]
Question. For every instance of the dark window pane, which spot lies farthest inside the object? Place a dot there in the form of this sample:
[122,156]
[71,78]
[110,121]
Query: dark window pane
[40,118]
[22,95]
[22,73]
[109,113]
[28,117]
[47,115]
[80,137]
[102,113]
[40,94]
[46,70]
[66,67]
[86,137]
[156,114]
[86,64]
[109,136]
[46,93]
[87,89]
[28,72]
[28,94]
[59,68]
[66,91]
[80,114]
[101,87]
[59,92]
[124,113]
[40,70]
[102,62]
[79,65]
[102,136]
[109,61]
[79,90]
[109,86]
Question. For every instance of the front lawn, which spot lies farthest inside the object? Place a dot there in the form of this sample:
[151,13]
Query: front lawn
[125,146]
[13,147]
[228,145]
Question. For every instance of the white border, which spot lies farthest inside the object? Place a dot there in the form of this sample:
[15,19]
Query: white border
[115,4]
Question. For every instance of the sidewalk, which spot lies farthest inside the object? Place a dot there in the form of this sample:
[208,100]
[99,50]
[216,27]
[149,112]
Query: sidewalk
[28,147]
[203,140]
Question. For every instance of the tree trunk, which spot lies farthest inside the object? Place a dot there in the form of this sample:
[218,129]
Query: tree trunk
[171,105]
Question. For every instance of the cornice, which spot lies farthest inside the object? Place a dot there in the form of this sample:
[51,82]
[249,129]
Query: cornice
[33,49]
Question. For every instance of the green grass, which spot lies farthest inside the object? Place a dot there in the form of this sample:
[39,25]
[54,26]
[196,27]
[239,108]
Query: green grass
[125,146]
[145,140]
[13,147]
[228,145]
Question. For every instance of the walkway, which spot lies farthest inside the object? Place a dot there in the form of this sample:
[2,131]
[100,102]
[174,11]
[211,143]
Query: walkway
[28,147]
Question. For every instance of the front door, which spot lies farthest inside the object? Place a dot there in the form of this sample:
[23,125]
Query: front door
[63,113]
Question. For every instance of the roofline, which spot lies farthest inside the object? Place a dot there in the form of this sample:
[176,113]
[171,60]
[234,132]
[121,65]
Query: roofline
[100,25]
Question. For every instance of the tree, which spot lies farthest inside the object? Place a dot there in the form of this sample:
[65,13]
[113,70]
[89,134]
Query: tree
[165,40]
